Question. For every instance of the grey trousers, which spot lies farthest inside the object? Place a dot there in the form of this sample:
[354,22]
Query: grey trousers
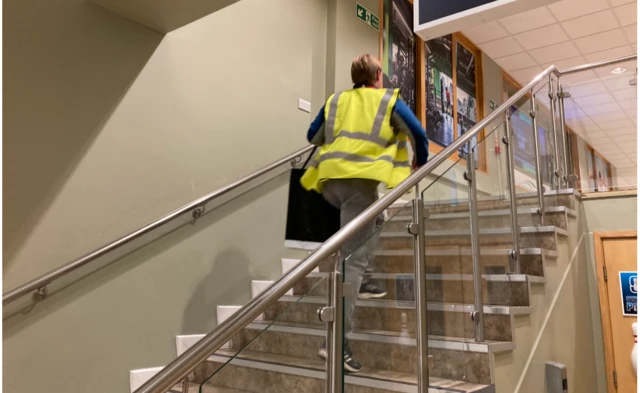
[352,197]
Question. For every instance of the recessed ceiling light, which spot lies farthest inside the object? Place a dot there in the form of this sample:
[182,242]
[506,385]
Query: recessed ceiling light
[618,70]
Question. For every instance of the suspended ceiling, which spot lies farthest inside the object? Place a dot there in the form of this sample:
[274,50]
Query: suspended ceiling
[603,107]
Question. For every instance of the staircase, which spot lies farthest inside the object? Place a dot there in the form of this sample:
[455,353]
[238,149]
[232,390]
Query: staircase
[280,348]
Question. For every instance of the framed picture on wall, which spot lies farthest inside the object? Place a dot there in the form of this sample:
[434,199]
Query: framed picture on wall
[399,49]
[453,92]
[440,80]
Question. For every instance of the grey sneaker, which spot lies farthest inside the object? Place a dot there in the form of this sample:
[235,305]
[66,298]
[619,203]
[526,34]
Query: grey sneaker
[371,291]
[350,365]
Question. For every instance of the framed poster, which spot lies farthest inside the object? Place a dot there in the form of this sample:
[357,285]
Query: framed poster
[399,50]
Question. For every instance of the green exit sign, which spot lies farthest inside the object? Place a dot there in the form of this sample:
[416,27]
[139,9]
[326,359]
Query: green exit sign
[367,17]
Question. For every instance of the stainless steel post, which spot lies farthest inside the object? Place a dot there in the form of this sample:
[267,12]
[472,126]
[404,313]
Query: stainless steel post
[536,145]
[416,228]
[556,161]
[334,361]
[511,180]
[478,311]
[561,96]
[185,385]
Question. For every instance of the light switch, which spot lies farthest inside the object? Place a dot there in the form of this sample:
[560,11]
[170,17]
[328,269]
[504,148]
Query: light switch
[304,105]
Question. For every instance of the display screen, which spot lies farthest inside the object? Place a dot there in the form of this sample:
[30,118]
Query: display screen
[432,10]
[524,148]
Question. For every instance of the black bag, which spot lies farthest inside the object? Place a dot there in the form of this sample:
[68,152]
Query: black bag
[310,218]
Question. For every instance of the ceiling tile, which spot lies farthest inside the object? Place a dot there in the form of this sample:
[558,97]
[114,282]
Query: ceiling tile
[629,104]
[596,99]
[625,94]
[625,139]
[543,36]
[616,124]
[627,14]
[609,54]
[586,89]
[569,9]
[574,114]
[526,75]
[579,78]
[605,72]
[615,3]
[486,32]
[622,131]
[529,20]
[516,62]
[567,63]
[602,108]
[608,117]
[501,47]
[553,53]
[585,128]
[631,32]
[601,41]
[617,83]
[590,24]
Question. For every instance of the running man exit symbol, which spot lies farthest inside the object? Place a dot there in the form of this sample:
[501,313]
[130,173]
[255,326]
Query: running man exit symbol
[367,17]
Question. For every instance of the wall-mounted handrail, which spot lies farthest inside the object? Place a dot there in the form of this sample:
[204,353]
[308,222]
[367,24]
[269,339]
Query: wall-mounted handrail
[69,267]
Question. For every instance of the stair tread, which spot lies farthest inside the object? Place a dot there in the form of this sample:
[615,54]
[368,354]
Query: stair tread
[368,373]
[317,330]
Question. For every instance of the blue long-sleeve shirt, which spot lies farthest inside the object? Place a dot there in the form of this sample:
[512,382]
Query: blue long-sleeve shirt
[402,120]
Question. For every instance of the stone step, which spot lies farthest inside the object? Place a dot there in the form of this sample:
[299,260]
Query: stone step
[500,218]
[451,358]
[445,319]
[565,198]
[530,237]
[457,260]
[256,372]
[498,289]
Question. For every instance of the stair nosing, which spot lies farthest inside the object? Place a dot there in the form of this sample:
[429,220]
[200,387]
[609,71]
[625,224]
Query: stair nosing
[410,305]
[489,213]
[482,232]
[520,278]
[483,252]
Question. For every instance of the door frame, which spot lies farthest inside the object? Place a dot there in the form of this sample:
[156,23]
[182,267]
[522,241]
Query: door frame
[605,312]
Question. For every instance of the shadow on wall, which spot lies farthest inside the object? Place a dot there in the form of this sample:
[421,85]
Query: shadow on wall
[222,273]
[229,271]
[68,65]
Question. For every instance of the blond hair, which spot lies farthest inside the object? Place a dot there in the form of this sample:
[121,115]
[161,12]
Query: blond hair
[364,70]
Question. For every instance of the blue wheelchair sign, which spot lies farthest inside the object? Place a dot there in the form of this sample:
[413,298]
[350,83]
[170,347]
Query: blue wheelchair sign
[629,292]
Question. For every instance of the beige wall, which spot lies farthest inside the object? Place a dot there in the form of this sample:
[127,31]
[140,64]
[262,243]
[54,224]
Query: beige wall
[107,126]
[603,214]
[559,329]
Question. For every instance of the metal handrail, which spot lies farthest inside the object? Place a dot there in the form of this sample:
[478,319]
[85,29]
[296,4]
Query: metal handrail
[67,268]
[210,343]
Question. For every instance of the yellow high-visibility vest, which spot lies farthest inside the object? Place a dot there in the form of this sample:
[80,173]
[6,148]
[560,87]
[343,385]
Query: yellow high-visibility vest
[359,141]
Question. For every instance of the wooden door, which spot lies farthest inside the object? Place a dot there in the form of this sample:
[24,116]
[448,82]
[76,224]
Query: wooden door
[616,252]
